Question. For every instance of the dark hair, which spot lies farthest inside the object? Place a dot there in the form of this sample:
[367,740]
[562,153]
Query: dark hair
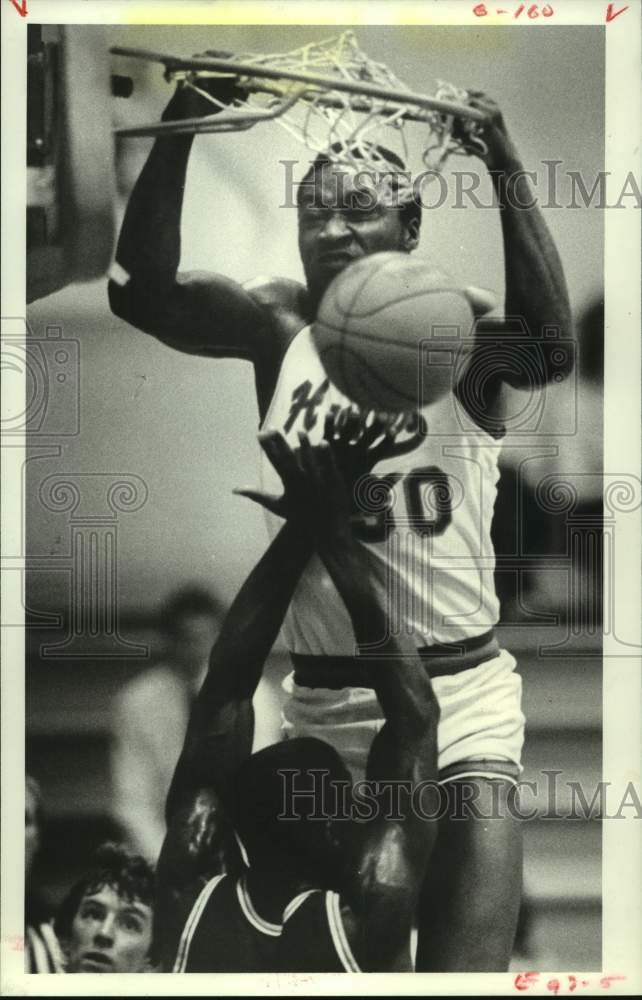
[115,866]
[408,210]
[261,800]
[190,601]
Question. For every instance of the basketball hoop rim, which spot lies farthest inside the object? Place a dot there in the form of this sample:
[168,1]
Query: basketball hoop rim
[363,88]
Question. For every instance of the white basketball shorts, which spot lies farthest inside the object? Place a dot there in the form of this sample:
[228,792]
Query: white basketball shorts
[481,720]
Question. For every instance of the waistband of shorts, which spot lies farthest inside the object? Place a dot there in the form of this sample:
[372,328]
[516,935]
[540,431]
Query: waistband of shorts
[440,659]
[466,770]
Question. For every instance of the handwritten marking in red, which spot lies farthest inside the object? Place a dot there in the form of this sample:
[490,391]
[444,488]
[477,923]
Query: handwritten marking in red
[533,12]
[611,14]
[21,7]
[524,980]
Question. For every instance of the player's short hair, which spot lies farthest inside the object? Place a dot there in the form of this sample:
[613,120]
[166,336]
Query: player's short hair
[115,866]
[190,601]
[269,819]
[390,162]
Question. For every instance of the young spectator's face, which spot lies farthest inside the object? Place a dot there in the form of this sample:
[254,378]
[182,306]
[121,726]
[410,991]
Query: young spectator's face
[110,933]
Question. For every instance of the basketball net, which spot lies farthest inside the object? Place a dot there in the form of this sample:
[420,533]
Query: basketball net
[348,127]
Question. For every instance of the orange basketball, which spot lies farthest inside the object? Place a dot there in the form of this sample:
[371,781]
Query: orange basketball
[390,332]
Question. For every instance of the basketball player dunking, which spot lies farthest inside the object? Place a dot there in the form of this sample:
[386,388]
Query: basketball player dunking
[444,582]
[322,893]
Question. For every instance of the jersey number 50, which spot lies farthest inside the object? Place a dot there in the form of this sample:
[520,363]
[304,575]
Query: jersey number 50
[428,497]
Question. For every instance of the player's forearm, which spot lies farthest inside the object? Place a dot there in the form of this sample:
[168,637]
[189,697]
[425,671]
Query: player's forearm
[220,731]
[396,673]
[350,569]
[255,618]
[149,246]
[535,285]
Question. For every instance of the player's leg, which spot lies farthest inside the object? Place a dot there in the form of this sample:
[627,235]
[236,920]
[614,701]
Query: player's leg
[471,895]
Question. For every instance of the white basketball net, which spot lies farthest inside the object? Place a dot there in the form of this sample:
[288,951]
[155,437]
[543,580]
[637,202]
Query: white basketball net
[347,127]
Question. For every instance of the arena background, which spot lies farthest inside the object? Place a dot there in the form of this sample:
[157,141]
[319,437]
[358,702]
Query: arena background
[187,428]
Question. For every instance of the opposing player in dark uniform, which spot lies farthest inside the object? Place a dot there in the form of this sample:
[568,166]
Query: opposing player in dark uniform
[322,892]
[444,580]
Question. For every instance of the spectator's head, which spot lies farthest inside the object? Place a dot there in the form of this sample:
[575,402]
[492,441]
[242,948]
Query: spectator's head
[33,823]
[105,922]
[191,619]
[288,799]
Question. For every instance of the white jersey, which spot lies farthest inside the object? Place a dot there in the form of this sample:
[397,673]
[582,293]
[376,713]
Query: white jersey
[432,536]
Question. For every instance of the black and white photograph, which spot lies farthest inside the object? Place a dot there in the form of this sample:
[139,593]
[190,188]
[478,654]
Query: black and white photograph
[321,497]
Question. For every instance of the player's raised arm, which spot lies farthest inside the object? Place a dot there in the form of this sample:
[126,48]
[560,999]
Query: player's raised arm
[221,727]
[536,291]
[200,840]
[393,850]
[197,312]
[390,854]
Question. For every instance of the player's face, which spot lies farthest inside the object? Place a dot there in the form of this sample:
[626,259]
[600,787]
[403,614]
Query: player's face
[110,934]
[340,221]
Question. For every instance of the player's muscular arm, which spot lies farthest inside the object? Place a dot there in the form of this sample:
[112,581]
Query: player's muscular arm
[535,285]
[200,313]
[221,726]
[392,855]
[199,842]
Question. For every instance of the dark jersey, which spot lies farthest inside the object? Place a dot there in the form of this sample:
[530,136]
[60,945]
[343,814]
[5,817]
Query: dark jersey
[224,933]
[314,937]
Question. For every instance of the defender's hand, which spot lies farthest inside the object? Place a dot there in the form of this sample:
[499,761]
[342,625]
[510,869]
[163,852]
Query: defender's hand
[360,439]
[314,493]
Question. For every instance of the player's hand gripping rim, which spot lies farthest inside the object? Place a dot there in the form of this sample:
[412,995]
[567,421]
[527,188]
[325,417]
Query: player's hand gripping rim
[199,97]
[489,141]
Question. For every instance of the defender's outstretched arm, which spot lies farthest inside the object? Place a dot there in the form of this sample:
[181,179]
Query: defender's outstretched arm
[394,849]
[200,840]
[392,853]
[221,726]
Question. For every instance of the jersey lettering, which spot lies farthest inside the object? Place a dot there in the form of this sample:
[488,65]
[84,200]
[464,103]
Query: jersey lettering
[303,402]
